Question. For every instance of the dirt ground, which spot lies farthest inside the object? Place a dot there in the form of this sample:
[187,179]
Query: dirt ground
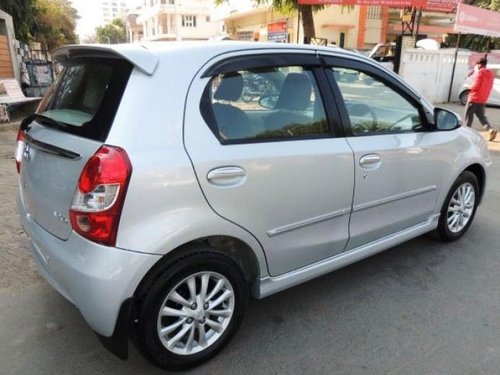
[17,269]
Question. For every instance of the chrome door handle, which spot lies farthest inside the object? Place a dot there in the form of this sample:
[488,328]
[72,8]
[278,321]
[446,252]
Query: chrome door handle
[226,176]
[370,161]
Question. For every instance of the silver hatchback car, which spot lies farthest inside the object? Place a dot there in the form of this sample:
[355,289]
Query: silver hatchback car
[162,185]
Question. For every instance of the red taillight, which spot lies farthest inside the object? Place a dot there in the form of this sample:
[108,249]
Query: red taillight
[98,201]
[19,149]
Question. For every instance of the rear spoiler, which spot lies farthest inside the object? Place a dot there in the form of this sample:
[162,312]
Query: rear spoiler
[137,54]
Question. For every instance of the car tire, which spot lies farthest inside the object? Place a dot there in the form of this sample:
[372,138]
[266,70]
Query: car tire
[464,96]
[459,207]
[190,310]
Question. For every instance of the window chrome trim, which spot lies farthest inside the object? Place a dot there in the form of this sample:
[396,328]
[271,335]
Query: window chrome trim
[307,222]
[379,202]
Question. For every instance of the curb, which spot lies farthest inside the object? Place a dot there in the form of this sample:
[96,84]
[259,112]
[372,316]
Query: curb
[9,126]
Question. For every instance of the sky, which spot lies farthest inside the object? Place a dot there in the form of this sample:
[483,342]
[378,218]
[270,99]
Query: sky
[90,15]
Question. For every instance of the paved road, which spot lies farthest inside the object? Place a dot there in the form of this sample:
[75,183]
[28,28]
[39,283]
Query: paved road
[419,308]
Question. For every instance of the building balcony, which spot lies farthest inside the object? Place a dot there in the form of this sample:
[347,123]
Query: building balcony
[160,9]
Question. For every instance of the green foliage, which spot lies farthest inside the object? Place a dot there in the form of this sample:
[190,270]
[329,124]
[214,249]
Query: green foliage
[56,23]
[481,43]
[290,6]
[24,16]
[112,33]
[51,22]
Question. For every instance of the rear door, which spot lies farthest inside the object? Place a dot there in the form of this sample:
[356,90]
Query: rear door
[72,122]
[274,164]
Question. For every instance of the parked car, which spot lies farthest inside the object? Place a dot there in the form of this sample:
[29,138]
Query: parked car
[494,98]
[157,199]
[384,53]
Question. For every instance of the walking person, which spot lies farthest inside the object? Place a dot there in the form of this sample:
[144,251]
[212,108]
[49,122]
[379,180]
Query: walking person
[478,97]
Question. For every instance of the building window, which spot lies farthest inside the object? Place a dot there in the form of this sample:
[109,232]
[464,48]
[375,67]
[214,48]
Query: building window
[373,12]
[188,20]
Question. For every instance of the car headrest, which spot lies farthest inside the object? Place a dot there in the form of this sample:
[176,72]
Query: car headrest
[295,92]
[230,87]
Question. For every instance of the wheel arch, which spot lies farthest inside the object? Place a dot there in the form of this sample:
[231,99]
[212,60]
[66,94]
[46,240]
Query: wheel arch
[233,248]
[480,173]
[465,90]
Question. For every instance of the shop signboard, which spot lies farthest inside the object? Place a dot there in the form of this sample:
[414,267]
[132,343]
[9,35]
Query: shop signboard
[475,20]
[245,35]
[441,5]
[391,3]
[277,31]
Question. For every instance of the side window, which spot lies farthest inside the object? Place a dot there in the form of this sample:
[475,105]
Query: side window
[266,104]
[374,107]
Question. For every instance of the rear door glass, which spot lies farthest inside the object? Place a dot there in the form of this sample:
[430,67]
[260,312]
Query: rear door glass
[86,96]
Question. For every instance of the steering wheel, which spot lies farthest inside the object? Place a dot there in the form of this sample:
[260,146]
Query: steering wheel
[394,127]
[361,110]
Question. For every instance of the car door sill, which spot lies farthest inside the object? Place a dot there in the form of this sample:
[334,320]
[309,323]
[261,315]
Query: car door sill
[270,285]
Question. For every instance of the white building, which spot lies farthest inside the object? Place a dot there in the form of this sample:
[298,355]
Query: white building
[112,9]
[177,20]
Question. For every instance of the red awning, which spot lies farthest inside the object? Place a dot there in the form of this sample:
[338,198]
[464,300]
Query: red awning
[393,3]
[474,20]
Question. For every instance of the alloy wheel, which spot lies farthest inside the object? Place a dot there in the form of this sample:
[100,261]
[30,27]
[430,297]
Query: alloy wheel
[461,207]
[196,313]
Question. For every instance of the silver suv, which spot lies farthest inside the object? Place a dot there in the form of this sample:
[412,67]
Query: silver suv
[162,185]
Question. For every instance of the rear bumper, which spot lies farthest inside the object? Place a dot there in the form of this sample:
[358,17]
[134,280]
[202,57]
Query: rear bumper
[96,279]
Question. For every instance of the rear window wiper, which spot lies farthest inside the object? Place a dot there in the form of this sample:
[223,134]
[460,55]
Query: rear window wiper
[44,120]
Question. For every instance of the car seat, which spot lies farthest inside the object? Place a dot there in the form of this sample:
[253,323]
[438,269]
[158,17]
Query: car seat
[294,98]
[232,122]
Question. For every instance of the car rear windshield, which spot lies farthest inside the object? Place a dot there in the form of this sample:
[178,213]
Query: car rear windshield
[85,97]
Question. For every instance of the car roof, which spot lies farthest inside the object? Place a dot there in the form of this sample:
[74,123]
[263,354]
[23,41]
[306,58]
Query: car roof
[145,56]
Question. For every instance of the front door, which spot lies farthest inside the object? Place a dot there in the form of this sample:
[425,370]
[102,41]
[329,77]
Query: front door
[269,160]
[388,132]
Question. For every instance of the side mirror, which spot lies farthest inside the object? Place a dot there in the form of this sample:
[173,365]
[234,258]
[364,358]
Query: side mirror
[446,120]
[268,101]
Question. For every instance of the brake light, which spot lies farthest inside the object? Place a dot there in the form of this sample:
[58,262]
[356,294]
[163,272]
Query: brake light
[19,149]
[98,201]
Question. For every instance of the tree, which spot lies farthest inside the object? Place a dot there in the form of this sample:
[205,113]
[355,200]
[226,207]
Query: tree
[51,22]
[56,23]
[112,33]
[481,43]
[306,13]
[288,6]
[24,17]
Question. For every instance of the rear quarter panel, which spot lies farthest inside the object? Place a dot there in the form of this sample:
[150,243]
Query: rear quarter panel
[164,207]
